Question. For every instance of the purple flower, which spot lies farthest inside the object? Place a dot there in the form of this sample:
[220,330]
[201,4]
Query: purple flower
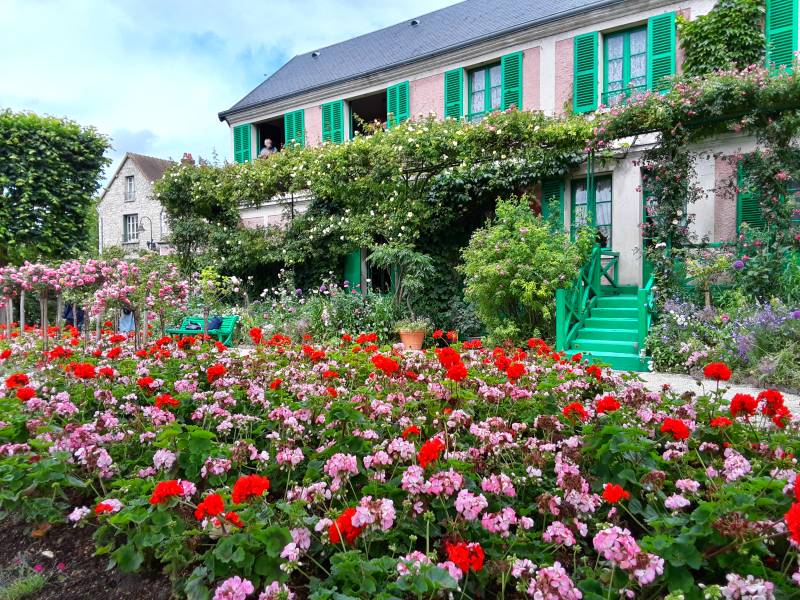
[738,265]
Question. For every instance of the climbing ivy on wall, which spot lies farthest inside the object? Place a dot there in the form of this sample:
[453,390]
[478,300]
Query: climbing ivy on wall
[731,35]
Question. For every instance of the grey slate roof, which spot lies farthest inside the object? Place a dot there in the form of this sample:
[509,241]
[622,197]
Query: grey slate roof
[446,29]
[152,167]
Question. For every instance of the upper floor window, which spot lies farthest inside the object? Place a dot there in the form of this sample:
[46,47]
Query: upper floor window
[625,71]
[130,228]
[485,90]
[130,188]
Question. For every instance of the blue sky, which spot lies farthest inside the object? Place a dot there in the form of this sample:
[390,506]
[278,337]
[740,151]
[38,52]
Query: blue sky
[153,74]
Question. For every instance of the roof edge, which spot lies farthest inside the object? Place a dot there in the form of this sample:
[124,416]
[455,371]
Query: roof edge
[224,114]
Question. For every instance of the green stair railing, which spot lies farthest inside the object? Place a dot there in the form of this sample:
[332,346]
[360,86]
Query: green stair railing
[609,266]
[574,303]
[646,307]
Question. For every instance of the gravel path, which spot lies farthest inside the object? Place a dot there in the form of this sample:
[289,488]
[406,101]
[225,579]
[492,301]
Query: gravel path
[683,383]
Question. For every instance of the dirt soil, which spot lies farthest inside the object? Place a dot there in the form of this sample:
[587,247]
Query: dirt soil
[74,573]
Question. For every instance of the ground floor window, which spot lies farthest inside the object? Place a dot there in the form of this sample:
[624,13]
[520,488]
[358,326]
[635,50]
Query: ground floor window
[592,207]
[130,228]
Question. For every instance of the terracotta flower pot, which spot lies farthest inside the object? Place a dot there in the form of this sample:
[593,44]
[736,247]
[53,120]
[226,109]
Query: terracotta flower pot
[412,338]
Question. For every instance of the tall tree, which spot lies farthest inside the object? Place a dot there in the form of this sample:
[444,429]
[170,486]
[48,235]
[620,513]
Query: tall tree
[49,172]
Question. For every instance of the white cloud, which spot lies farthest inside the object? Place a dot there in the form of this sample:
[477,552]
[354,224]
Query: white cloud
[154,74]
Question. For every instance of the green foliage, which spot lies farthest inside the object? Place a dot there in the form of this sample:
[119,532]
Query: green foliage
[411,270]
[51,168]
[23,587]
[513,267]
[731,35]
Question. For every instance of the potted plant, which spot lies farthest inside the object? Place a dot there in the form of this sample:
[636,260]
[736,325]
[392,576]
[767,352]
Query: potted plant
[409,270]
[412,332]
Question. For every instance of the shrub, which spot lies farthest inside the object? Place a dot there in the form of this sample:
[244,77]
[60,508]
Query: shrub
[513,267]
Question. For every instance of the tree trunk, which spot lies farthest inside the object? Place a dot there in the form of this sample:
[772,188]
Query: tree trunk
[44,324]
[60,311]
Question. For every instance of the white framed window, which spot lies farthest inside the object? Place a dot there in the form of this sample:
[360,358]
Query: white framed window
[130,228]
[130,189]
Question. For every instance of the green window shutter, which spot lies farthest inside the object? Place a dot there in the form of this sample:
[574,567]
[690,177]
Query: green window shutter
[748,208]
[294,127]
[585,84]
[511,67]
[241,143]
[352,268]
[397,104]
[660,51]
[333,122]
[781,30]
[553,190]
[454,94]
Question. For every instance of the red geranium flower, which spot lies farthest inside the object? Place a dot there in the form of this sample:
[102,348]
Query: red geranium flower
[165,490]
[613,493]
[607,404]
[430,452]
[211,506]
[387,365]
[743,404]
[409,431]
[595,371]
[465,556]
[721,422]
[452,336]
[515,370]
[457,372]
[256,335]
[114,352]
[717,371]
[332,391]
[145,382]
[247,487]
[792,518]
[25,393]
[215,371]
[103,507]
[346,337]
[773,402]
[5,354]
[575,408]
[83,371]
[166,400]
[438,334]
[676,427]
[106,372]
[233,517]
[448,357]
[275,383]
[343,528]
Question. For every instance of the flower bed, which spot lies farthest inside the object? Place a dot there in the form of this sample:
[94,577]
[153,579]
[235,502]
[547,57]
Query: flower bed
[352,471]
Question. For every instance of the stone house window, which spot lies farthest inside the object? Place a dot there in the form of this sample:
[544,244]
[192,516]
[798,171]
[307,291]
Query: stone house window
[130,189]
[130,228]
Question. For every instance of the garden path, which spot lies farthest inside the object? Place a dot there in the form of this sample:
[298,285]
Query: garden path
[682,383]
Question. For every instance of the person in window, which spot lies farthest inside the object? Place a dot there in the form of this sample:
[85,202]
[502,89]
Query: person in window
[268,149]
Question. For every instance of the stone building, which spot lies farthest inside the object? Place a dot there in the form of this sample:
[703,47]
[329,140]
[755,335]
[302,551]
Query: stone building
[129,215]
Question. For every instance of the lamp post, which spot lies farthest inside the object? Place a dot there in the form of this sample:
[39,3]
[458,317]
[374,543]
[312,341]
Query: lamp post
[151,245]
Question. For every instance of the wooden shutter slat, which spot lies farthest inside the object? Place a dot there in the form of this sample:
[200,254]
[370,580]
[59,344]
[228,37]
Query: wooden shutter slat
[511,73]
[749,209]
[781,33]
[454,94]
[397,104]
[241,143]
[585,66]
[294,127]
[337,121]
[660,51]
[553,189]
[327,125]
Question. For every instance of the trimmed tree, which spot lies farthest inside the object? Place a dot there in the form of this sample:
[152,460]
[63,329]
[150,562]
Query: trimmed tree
[49,172]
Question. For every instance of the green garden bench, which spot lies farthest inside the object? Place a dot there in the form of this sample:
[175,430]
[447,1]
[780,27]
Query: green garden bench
[223,334]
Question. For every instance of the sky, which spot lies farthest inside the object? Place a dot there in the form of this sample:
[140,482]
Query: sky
[153,74]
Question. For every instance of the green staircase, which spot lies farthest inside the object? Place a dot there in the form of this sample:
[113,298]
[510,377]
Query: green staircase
[604,323]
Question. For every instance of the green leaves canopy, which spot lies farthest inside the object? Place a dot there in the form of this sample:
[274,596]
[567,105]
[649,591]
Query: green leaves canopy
[49,172]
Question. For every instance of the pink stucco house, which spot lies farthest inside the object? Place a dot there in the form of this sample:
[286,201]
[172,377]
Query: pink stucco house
[482,55]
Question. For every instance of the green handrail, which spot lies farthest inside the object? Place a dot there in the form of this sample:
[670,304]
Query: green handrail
[611,262]
[574,303]
[646,307]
